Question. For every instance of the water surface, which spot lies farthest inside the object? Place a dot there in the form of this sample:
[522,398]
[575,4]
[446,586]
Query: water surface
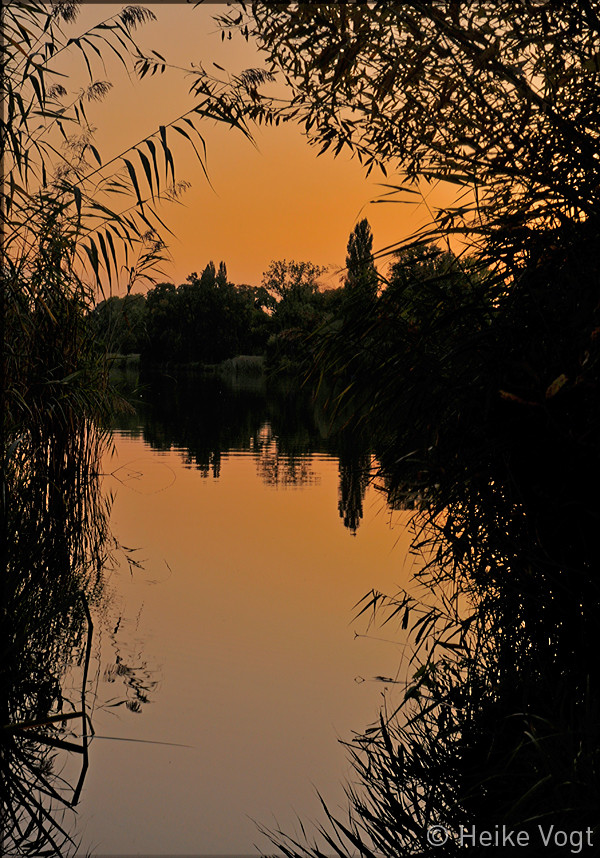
[255,536]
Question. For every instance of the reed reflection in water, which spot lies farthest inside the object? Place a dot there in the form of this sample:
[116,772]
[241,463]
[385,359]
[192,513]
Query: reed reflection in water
[56,548]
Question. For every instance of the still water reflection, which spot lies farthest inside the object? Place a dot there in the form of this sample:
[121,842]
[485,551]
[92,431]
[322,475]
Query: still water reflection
[247,534]
[206,419]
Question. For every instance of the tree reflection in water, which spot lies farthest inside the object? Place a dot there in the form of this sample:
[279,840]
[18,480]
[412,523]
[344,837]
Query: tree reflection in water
[208,417]
[355,473]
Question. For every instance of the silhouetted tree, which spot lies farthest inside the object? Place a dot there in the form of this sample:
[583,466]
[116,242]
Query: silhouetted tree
[208,277]
[361,277]
[120,323]
[295,285]
[205,320]
[221,276]
[298,310]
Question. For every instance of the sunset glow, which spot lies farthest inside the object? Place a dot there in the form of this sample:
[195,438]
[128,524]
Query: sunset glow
[275,200]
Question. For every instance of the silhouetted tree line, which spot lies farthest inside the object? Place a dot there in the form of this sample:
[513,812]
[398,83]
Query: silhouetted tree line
[206,319]
[289,317]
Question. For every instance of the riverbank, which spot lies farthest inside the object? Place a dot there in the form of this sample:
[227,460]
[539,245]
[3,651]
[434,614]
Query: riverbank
[241,365]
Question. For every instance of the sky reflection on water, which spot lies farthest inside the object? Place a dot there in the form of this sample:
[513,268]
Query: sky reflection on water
[241,619]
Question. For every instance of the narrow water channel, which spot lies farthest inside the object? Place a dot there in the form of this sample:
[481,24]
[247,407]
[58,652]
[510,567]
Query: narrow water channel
[229,629]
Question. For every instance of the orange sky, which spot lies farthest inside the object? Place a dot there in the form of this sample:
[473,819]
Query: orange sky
[277,201]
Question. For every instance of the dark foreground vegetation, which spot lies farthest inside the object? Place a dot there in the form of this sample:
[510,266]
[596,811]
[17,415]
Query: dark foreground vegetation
[482,373]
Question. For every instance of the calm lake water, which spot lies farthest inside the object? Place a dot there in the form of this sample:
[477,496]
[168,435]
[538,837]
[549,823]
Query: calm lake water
[227,647]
